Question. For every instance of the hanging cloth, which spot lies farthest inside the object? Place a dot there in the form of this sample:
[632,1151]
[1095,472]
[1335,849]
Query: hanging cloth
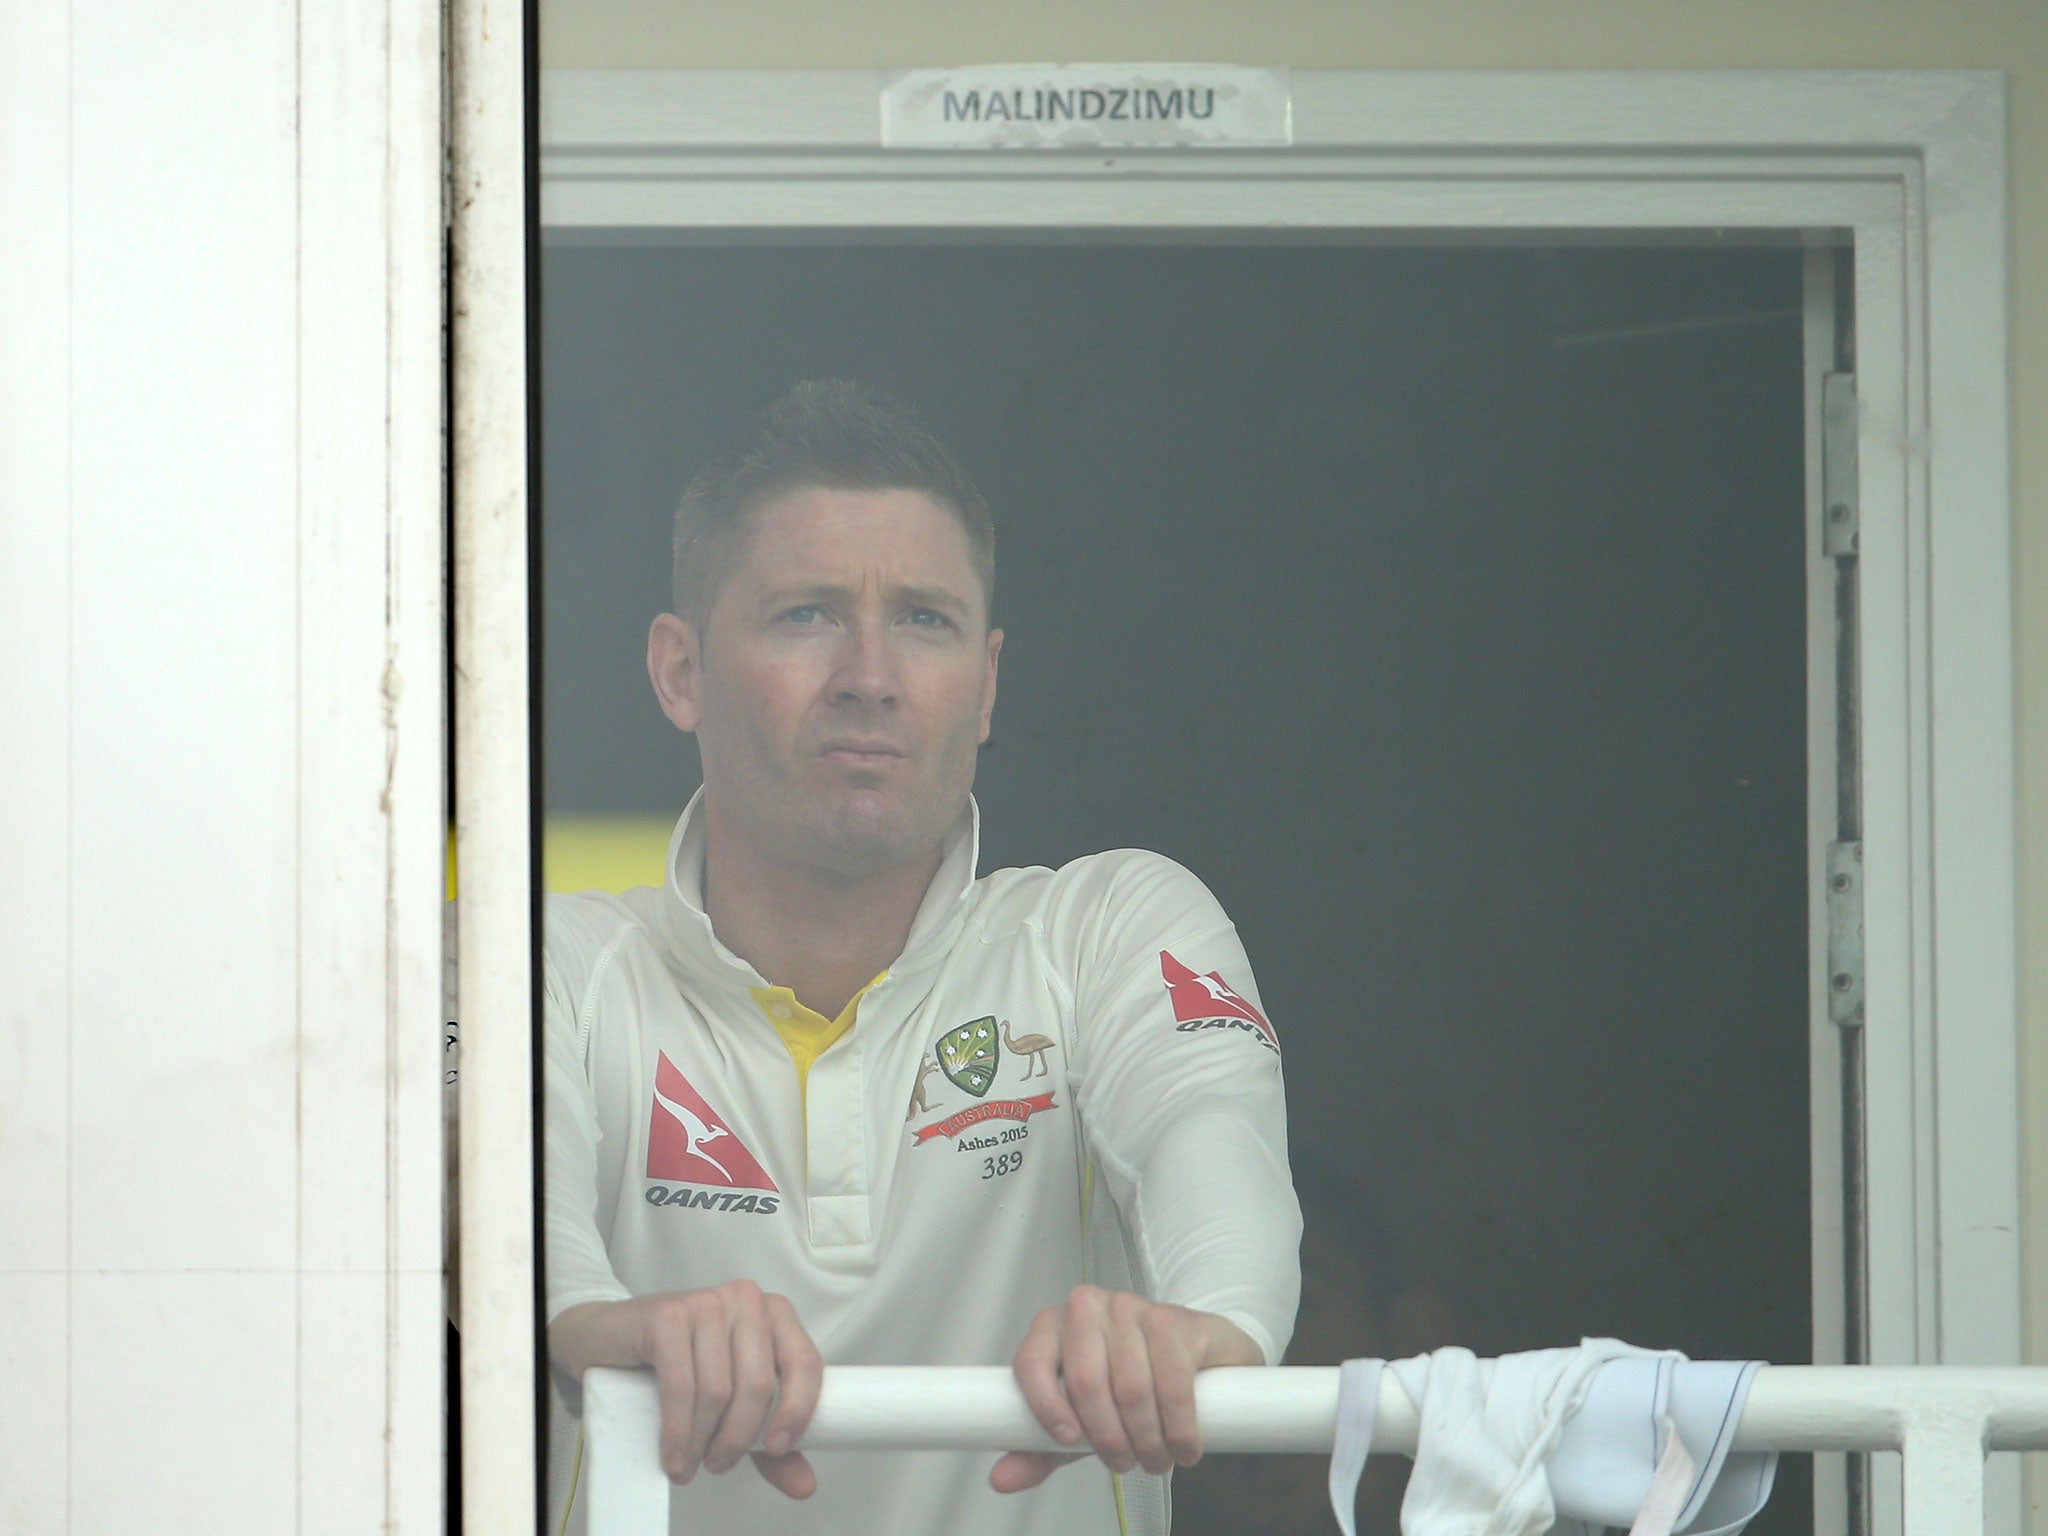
[1605,1435]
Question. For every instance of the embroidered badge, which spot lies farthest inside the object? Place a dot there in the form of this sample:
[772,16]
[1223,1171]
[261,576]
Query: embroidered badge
[969,1055]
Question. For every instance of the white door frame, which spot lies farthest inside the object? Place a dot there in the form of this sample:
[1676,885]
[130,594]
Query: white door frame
[1907,165]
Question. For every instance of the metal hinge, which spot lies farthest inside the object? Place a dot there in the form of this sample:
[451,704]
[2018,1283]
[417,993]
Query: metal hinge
[1845,934]
[1838,465]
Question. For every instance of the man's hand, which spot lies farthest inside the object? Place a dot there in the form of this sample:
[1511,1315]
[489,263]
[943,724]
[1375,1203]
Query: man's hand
[729,1362]
[1118,1370]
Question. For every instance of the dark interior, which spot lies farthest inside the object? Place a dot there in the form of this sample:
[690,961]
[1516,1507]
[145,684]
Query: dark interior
[1443,609]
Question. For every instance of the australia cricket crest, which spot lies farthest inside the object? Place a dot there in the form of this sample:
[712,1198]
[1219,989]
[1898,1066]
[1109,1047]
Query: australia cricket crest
[970,1054]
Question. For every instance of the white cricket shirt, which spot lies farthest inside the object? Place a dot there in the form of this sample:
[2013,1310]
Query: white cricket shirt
[924,1199]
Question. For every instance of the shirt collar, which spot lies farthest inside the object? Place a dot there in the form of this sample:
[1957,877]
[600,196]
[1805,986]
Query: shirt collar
[938,916]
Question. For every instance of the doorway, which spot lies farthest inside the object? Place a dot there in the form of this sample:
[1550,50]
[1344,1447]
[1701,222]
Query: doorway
[1444,608]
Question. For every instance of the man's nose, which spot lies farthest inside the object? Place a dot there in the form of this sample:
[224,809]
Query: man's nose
[867,671]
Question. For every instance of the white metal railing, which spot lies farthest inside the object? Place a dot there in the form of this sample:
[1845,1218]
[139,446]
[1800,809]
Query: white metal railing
[1943,1418]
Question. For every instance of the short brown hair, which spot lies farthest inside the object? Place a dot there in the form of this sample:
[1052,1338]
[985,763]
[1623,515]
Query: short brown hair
[833,434]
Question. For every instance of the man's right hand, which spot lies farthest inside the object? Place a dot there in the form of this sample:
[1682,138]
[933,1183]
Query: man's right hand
[732,1363]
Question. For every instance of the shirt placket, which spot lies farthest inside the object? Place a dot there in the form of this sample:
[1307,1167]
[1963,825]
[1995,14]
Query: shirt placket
[837,1136]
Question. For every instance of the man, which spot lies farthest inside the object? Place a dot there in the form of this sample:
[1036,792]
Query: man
[827,1097]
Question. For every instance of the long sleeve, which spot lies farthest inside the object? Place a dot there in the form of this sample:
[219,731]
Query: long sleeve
[1180,1094]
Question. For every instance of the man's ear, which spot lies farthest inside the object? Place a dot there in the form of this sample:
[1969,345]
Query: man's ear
[675,665]
[988,682]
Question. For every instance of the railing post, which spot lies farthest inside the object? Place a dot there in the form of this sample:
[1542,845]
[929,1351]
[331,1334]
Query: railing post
[1943,1445]
[621,1469]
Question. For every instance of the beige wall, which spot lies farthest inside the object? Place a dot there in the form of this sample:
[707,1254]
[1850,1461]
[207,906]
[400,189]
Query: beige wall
[1490,34]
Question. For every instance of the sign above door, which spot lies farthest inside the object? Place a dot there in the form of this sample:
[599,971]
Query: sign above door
[1087,106]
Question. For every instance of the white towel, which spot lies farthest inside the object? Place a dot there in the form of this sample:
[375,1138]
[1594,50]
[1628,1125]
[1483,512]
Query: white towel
[1601,1471]
[1602,1435]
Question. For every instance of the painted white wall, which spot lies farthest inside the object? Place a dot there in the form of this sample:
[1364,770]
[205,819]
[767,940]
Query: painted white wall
[219,608]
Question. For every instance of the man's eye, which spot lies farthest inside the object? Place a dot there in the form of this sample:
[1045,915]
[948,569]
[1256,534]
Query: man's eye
[806,613]
[929,617]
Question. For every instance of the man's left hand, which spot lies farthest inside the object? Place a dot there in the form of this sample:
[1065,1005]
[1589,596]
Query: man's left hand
[1117,1370]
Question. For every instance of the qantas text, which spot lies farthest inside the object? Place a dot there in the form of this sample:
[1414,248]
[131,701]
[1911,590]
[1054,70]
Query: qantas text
[1189,1026]
[712,1199]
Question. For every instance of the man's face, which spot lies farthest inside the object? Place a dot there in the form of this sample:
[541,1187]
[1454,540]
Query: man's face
[840,682]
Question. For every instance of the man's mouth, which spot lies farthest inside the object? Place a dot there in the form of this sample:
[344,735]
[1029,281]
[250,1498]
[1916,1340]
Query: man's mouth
[858,753]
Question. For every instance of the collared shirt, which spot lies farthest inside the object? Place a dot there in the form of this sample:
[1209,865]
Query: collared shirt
[921,1187]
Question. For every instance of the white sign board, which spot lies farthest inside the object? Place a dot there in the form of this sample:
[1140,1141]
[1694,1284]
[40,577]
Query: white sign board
[1087,106]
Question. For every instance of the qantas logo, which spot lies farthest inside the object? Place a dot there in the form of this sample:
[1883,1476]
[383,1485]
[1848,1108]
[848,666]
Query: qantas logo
[1210,1002]
[688,1142]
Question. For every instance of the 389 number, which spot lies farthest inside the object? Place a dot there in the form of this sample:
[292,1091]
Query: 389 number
[1007,1162]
